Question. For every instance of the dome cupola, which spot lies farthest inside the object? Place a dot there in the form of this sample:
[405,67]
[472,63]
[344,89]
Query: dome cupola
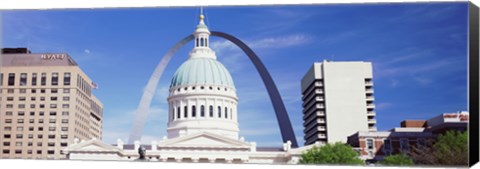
[202,93]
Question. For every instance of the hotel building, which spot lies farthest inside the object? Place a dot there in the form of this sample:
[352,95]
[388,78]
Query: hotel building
[46,103]
[337,101]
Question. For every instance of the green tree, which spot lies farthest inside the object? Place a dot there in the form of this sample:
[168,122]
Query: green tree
[337,153]
[450,148]
[397,159]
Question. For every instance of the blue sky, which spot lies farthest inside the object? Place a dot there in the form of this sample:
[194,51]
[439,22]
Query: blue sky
[418,51]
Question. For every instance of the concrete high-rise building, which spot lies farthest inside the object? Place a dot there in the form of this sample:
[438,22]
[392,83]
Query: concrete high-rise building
[337,101]
[46,103]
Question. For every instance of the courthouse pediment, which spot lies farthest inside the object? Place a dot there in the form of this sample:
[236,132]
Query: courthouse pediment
[203,139]
[91,145]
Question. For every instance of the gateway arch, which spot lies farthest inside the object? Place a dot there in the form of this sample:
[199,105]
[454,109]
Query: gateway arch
[277,102]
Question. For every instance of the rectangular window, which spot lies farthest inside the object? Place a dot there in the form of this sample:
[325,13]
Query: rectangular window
[21,99]
[64,136]
[8,128]
[23,90]
[66,79]
[21,106]
[29,151]
[31,121]
[53,98]
[11,79]
[32,99]
[18,151]
[52,121]
[53,90]
[50,152]
[387,145]
[6,151]
[19,136]
[53,113]
[41,106]
[65,113]
[19,128]
[32,106]
[20,121]
[51,144]
[34,90]
[53,105]
[369,143]
[40,129]
[8,120]
[9,98]
[9,105]
[194,111]
[66,98]
[6,143]
[421,142]
[39,151]
[30,136]
[51,136]
[42,98]
[63,144]
[30,129]
[23,79]
[51,128]
[42,90]
[39,144]
[8,113]
[1,79]
[7,136]
[21,113]
[65,106]
[404,144]
[43,79]
[64,128]
[54,79]
[65,121]
[34,79]
[10,91]
[66,90]
[41,113]
[18,144]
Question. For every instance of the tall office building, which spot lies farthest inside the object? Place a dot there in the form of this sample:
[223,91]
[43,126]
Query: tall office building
[46,102]
[337,101]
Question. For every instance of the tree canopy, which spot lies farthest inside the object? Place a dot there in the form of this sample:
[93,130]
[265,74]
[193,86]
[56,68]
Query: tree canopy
[397,159]
[337,153]
[450,148]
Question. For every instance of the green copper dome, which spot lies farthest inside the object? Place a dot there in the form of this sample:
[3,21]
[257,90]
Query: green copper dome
[202,71]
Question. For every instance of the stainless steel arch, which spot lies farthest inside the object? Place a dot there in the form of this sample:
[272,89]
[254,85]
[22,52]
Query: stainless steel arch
[142,109]
[280,111]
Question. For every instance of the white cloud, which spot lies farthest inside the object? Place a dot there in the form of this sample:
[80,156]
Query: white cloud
[262,43]
[87,51]
[279,42]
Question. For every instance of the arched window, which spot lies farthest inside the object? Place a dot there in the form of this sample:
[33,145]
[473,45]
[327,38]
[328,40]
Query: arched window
[211,110]
[202,111]
[206,42]
[178,112]
[201,42]
[173,114]
[219,112]
[231,113]
[226,113]
[185,113]
[196,44]
[194,112]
